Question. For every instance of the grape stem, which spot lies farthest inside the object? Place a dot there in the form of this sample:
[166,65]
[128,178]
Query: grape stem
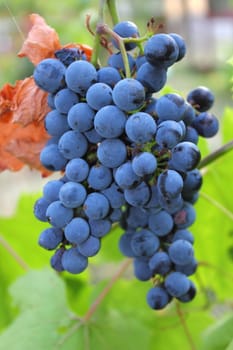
[106,290]
[14,254]
[97,40]
[113,11]
[185,327]
[216,154]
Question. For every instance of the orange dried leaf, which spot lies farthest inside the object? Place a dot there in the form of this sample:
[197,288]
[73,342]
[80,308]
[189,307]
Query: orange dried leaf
[41,42]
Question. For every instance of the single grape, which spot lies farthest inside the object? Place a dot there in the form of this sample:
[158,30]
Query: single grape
[77,170]
[137,196]
[181,45]
[189,295]
[177,284]
[114,195]
[81,117]
[185,216]
[77,230]
[49,75]
[55,123]
[160,223]
[170,107]
[144,163]
[56,258]
[58,215]
[80,75]
[170,184]
[96,206]
[157,298]
[90,246]
[100,177]
[160,263]
[201,98]
[72,144]
[185,156]
[128,94]
[72,194]
[110,122]
[112,152]
[125,177]
[183,234]
[108,75]
[137,217]
[141,269]
[151,77]
[50,238]
[144,243]
[126,29]
[40,208]
[100,228]
[125,244]
[140,127]
[206,124]
[161,49]
[73,261]
[65,99]
[70,55]
[181,252]
[51,158]
[168,134]
[51,190]
[99,95]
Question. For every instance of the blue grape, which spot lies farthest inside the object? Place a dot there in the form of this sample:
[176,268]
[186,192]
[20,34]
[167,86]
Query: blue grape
[160,223]
[192,181]
[183,234]
[77,169]
[49,75]
[185,156]
[170,107]
[187,269]
[154,199]
[144,243]
[100,177]
[108,75]
[171,205]
[40,208]
[185,217]
[161,49]
[90,246]
[99,95]
[77,230]
[189,295]
[137,196]
[141,269]
[73,261]
[80,75]
[125,244]
[140,60]
[65,99]
[191,135]
[96,206]
[189,114]
[100,228]
[110,122]
[151,77]
[69,55]
[177,284]
[93,136]
[112,152]
[137,217]
[51,158]
[157,298]
[58,215]
[181,252]
[56,258]
[115,215]
[50,100]
[116,61]
[170,184]
[50,238]
[140,127]
[51,190]
[56,123]
[72,144]
[125,177]
[201,98]
[168,134]
[81,117]
[181,45]
[128,94]
[72,194]
[114,195]
[160,263]
[206,124]
[126,29]
[144,163]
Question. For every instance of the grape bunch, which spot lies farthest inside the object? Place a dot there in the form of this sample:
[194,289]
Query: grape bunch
[124,156]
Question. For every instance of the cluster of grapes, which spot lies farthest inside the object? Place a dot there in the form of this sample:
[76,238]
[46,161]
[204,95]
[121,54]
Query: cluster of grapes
[127,157]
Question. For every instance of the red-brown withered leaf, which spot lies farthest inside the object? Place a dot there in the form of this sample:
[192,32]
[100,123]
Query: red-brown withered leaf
[23,106]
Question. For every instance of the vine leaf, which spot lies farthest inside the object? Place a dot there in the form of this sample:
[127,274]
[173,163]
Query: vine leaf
[23,106]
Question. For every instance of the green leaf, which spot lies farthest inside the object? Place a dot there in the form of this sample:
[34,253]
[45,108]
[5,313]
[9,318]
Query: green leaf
[227,124]
[219,336]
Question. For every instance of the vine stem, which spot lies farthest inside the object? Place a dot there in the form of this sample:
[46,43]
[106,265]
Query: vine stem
[97,45]
[106,290]
[14,254]
[185,326]
[216,154]
[113,11]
